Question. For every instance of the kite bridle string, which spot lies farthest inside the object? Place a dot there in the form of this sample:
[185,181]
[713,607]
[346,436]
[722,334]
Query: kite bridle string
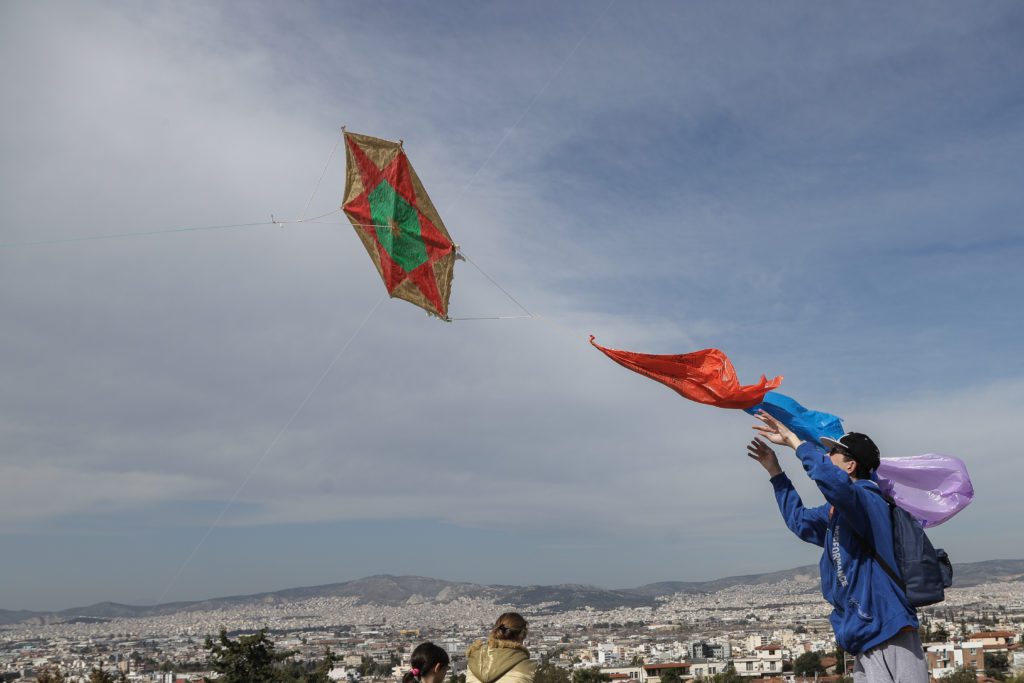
[316,188]
[534,99]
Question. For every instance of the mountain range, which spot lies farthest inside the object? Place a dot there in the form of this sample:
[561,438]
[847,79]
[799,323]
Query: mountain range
[385,589]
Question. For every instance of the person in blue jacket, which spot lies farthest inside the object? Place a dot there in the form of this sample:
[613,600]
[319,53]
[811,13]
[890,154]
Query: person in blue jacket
[871,616]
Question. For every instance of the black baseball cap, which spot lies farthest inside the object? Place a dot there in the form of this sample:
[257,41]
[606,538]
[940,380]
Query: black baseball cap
[857,446]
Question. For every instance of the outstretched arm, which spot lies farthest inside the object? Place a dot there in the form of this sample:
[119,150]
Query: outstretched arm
[834,484]
[809,524]
[849,500]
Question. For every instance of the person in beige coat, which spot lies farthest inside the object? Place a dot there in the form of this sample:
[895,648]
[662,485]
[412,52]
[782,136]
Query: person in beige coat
[502,657]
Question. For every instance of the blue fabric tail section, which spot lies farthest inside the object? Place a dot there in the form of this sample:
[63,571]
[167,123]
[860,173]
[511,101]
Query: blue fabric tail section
[809,425]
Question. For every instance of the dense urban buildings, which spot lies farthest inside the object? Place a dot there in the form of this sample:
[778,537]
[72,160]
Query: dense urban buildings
[755,631]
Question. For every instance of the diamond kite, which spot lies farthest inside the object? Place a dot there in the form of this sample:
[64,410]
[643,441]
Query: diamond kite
[397,223]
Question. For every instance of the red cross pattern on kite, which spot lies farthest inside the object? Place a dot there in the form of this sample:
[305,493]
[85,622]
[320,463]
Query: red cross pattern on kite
[397,223]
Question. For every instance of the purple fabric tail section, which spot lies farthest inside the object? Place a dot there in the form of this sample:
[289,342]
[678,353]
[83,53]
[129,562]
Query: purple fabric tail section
[931,487]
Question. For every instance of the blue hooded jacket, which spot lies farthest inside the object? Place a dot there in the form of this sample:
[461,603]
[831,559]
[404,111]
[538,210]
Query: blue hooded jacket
[869,608]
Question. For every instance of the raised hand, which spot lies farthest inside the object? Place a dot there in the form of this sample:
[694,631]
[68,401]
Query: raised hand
[775,431]
[765,456]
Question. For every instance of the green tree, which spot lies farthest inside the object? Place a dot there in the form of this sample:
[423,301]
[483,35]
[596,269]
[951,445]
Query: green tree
[808,664]
[940,635]
[997,660]
[840,660]
[50,675]
[589,675]
[320,673]
[367,666]
[290,672]
[98,675]
[996,665]
[728,676]
[960,676]
[670,676]
[459,678]
[250,659]
[548,672]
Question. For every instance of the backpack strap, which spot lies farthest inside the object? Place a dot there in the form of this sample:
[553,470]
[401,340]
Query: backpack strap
[874,552]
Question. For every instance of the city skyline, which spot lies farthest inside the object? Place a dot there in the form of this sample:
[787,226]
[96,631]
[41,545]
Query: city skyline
[758,629]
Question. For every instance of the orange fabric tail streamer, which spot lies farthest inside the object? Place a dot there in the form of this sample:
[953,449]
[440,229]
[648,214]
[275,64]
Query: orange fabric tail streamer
[704,376]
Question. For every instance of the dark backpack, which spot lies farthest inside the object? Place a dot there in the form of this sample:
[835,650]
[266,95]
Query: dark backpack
[924,573]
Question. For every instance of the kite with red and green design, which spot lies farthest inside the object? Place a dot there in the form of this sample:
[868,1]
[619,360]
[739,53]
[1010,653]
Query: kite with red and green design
[397,223]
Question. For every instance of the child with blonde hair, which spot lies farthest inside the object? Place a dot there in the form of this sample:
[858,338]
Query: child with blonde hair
[502,657]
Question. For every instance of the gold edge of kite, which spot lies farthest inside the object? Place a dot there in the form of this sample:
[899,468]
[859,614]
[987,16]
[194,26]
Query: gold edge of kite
[381,152]
[444,273]
[353,181]
[408,291]
[364,140]
[426,205]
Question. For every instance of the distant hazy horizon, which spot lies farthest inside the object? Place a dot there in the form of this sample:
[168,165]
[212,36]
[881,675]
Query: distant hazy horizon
[810,569]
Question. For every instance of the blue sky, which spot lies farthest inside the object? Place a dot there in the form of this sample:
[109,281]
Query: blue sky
[828,193]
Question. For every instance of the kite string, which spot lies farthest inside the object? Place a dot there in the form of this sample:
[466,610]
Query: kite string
[305,400]
[534,99]
[314,219]
[87,238]
[165,231]
[493,317]
[274,441]
[316,188]
[273,221]
[529,314]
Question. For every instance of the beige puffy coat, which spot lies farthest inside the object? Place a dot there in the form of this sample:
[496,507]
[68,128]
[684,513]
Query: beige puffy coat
[499,660]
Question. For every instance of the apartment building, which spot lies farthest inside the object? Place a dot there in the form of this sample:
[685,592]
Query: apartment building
[771,657]
[653,672]
[705,668]
[945,658]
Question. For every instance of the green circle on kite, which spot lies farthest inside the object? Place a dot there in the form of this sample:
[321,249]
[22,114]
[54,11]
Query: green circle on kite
[397,225]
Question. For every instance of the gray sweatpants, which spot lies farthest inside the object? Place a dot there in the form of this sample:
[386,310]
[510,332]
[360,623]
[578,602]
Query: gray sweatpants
[899,660]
